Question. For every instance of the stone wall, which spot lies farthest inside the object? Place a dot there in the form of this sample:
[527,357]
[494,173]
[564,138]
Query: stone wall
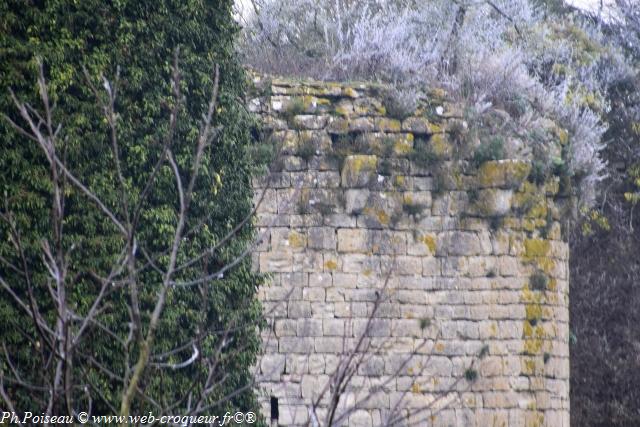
[463,263]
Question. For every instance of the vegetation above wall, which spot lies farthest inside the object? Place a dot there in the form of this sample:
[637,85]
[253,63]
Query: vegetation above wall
[513,56]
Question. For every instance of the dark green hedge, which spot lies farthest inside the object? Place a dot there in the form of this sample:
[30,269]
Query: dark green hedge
[139,38]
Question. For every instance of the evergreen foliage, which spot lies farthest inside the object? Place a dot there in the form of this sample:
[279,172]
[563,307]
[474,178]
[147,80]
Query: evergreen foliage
[132,44]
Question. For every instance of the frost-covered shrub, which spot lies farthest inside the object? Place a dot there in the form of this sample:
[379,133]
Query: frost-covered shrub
[505,54]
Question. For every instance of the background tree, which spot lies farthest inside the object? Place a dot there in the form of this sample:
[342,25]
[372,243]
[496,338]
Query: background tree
[122,165]
[605,270]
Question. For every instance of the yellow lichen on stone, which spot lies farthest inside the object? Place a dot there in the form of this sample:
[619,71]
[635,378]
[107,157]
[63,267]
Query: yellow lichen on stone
[296,240]
[290,141]
[341,111]
[534,420]
[331,265]
[493,330]
[490,174]
[430,241]
[363,162]
[533,312]
[528,296]
[440,146]
[435,128]
[539,210]
[382,216]
[350,92]
[403,146]
[516,171]
[503,173]
[533,346]
[528,366]
[388,125]
[358,170]
[536,248]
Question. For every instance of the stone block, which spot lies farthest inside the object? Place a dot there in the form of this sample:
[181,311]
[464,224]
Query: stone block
[345,280]
[309,328]
[503,173]
[333,327]
[493,202]
[408,265]
[322,238]
[359,171]
[323,280]
[356,200]
[309,121]
[272,366]
[333,345]
[296,345]
[313,294]
[360,418]
[299,309]
[338,125]
[419,126]
[383,124]
[361,124]
[276,261]
[354,240]
[293,415]
[328,179]
[457,243]
[372,366]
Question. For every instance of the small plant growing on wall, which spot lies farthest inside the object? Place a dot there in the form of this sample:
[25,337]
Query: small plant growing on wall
[496,222]
[492,150]
[293,108]
[471,375]
[306,150]
[473,194]
[412,209]
[539,281]
[399,104]
[342,147]
[539,172]
[423,156]
[385,167]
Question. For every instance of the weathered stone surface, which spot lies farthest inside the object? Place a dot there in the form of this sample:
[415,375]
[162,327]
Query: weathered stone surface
[494,202]
[356,200]
[361,124]
[503,173]
[359,170]
[272,366]
[419,125]
[441,252]
[458,243]
[308,121]
[322,238]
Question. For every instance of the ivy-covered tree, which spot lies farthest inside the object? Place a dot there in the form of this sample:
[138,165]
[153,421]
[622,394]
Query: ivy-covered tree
[125,188]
